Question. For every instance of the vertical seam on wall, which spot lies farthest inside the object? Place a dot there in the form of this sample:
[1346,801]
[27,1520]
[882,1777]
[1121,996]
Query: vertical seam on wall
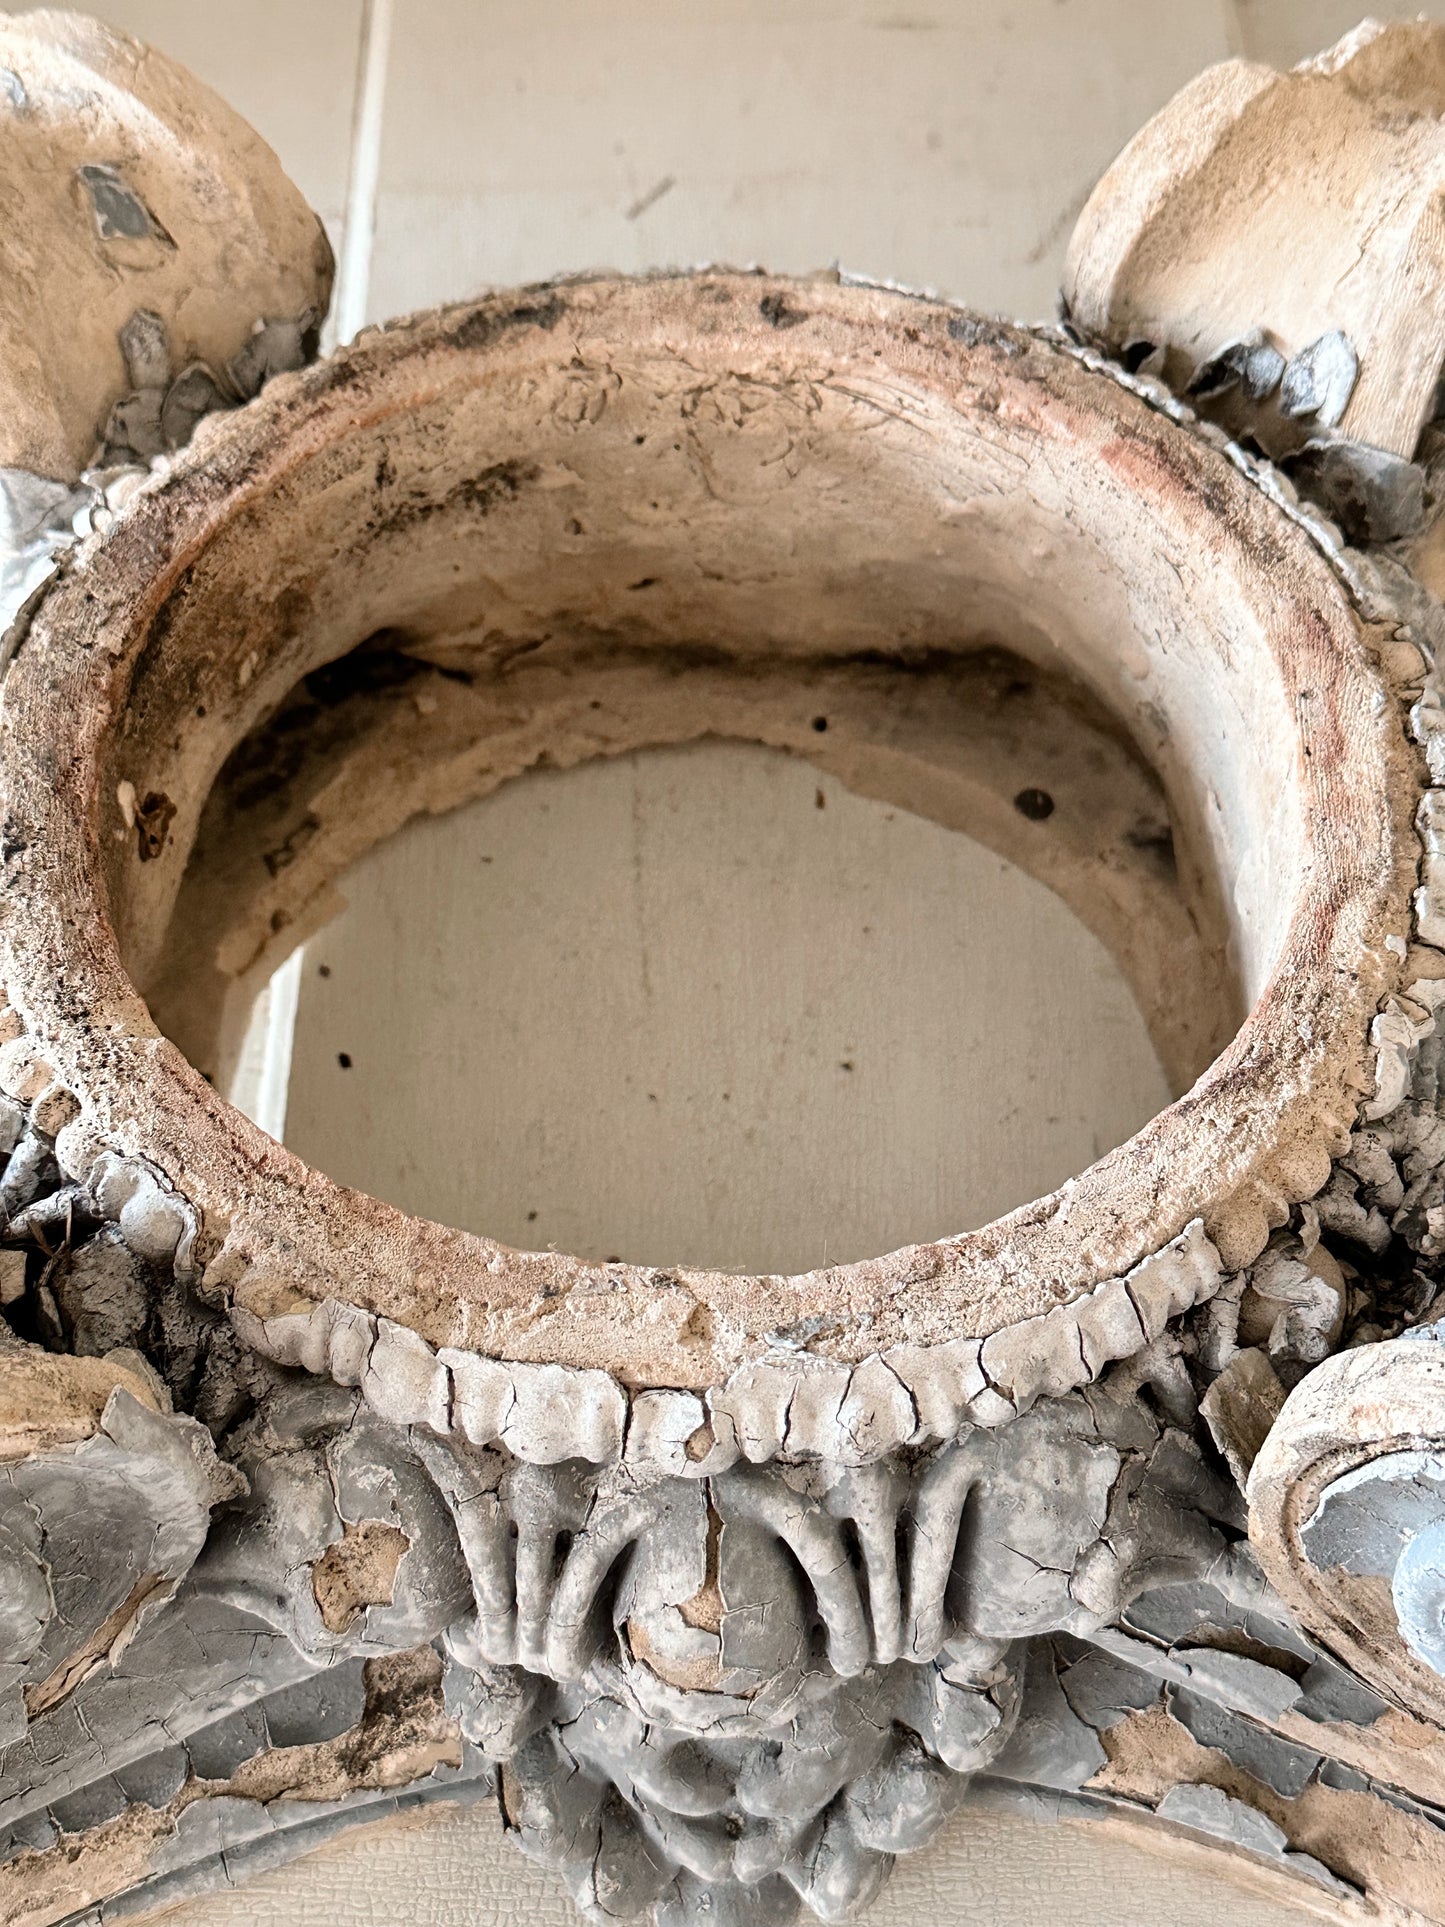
[1238,35]
[353,281]
[348,314]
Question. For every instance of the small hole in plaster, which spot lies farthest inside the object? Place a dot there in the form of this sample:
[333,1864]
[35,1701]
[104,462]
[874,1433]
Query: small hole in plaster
[343,1058]
[1034,804]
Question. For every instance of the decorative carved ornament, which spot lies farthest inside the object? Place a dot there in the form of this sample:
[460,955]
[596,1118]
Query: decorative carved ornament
[728,1589]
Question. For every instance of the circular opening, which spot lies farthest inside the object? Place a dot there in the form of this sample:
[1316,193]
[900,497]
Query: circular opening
[614,516]
[701,1004]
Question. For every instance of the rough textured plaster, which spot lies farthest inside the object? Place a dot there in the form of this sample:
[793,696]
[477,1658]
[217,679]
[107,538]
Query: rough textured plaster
[1329,173]
[1297,1336]
[300,103]
[153,200]
[1123,1209]
[1076,1509]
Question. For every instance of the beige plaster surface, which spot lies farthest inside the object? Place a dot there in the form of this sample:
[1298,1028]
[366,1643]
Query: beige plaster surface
[948,142]
[985,1870]
[664,963]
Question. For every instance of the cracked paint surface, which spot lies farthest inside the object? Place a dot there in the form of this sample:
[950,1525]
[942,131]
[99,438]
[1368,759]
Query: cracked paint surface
[273,1561]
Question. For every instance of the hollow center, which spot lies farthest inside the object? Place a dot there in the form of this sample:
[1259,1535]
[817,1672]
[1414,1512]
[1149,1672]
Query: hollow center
[972,585]
[707,1005]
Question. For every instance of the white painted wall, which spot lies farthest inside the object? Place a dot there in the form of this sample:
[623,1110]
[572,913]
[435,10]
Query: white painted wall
[674,1010]
[690,921]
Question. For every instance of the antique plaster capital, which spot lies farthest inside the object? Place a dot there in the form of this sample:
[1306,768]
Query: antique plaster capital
[729,1589]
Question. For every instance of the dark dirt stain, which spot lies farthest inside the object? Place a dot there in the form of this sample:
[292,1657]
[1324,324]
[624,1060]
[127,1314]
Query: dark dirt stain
[775,311]
[483,326]
[378,663]
[489,489]
[153,817]
[285,854]
[1155,840]
[973,332]
[1149,461]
